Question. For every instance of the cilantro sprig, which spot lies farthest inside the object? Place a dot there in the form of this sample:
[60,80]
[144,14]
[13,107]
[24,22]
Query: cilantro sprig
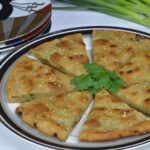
[96,79]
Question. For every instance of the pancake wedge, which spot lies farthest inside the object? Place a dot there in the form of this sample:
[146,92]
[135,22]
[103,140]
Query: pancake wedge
[137,69]
[112,119]
[67,54]
[30,79]
[113,48]
[137,96]
[55,116]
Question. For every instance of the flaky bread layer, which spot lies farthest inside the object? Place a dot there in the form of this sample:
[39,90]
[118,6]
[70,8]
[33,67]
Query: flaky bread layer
[95,136]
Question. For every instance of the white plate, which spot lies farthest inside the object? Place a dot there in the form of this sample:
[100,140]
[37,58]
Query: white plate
[12,121]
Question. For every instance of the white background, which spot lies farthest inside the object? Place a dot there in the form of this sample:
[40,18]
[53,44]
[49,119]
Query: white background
[63,20]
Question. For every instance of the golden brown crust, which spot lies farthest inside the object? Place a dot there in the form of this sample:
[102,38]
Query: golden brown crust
[57,115]
[113,48]
[110,116]
[67,54]
[137,96]
[93,136]
[29,79]
[137,69]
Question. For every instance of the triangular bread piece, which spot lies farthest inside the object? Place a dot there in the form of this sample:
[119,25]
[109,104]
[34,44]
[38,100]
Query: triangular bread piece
[30,79]
[113,48]
[112,119]
[67,54]
[137,70]
[55,116]
[137,96]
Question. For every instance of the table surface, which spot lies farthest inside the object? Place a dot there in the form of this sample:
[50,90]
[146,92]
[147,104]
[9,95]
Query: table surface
[64,20]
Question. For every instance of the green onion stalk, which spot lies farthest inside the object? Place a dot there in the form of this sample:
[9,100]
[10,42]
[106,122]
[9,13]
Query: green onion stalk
[137,11]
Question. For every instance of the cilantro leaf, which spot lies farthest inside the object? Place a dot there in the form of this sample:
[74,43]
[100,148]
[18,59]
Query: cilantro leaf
[94,68]
[98,78]
[82,82]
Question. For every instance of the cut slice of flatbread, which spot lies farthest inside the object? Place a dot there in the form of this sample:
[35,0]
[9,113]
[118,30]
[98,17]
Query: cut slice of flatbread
[113,48]
[57,115]
[112,119]
[67,54]
[30,79]
[137,96]
[140,43]
[137,69]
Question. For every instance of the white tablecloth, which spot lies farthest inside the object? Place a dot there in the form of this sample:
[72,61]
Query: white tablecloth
[63,20]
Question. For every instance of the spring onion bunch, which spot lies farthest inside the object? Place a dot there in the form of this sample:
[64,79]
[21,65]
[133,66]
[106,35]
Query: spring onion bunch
[133,10]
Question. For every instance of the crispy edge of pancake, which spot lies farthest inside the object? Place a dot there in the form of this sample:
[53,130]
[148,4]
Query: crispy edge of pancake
[138,42]
[45,126]
[43,115]
[27,64]
[94,135]
[109,34]
[62,59]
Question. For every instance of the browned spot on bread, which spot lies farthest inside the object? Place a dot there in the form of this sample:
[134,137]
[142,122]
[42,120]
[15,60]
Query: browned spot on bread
[114,100]
[101,42]
[19,111]
[59,99]
[147,101]
[40,107]
[83,99]
[113,45]
[54,85]
[129,64]
[100,109]
[129,49]
[40,69]
[134,93]
[56,57]
[38,75]
[29,83]
[121,72]
[93,123]
[51,72]
[63,44]
[130,71]
[113,54]
[80,43]
[28,67]
[78,111]
[71,58]
[79,58]
[35,124]
[123,112]
[147,56]
[125,87]
[23,77]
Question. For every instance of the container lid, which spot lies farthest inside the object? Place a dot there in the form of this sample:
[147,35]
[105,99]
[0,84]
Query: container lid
[20,17]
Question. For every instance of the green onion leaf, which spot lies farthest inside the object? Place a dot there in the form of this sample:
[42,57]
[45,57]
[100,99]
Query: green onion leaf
[133,10]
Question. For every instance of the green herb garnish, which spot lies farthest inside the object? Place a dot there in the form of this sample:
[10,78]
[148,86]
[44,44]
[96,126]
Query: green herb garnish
[133,10]
[96,79]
